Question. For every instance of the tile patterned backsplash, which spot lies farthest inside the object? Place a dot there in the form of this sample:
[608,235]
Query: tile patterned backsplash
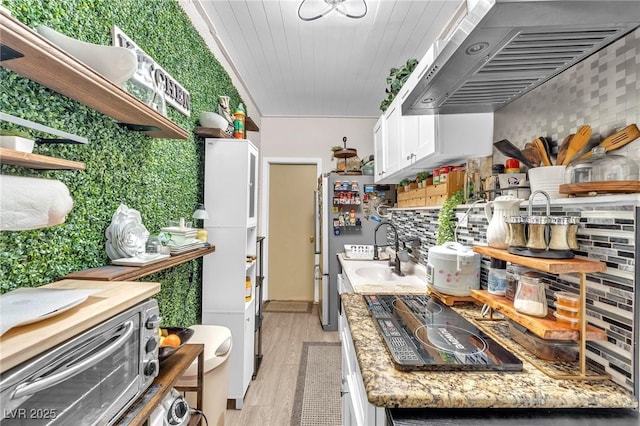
[606,233]
[601,91]
[604,92]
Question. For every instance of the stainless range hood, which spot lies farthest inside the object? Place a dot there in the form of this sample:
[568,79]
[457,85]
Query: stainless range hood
[494,51]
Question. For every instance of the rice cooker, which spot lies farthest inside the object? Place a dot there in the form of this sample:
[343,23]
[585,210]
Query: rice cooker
[453,269]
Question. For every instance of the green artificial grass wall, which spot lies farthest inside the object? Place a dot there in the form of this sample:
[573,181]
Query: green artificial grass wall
[161,178]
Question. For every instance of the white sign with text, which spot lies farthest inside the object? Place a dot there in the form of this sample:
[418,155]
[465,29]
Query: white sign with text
[175,95]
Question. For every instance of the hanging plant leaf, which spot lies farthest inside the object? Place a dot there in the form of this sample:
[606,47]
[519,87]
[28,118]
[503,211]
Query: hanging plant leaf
[396,79]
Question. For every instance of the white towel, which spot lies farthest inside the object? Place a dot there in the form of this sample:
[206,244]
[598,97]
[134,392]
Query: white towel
[32,203]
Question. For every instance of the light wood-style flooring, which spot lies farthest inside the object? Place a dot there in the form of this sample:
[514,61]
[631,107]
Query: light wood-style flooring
[269,400]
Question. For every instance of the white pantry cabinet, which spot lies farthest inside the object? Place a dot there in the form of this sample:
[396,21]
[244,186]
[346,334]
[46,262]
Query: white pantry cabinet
[230,190]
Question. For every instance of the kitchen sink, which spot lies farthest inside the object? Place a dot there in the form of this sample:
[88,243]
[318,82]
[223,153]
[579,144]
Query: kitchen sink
[383,273]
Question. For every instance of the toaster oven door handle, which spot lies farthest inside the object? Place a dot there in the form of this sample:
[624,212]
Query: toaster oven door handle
[29,388]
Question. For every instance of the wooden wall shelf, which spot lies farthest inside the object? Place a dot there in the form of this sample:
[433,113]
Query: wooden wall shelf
[37,161]
[211,132]
[129,273]
[170,371]
[553,266]
[545,328]
[45,63]
[250,125]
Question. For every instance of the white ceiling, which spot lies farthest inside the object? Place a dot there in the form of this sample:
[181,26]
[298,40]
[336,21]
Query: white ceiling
[331,67]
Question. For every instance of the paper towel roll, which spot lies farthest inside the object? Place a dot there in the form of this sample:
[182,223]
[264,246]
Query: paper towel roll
[32,203]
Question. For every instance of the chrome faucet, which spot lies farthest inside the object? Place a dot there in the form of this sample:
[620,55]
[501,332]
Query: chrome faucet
[395,263]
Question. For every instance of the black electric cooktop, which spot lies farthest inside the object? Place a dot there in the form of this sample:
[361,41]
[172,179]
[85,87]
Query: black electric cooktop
[423,334]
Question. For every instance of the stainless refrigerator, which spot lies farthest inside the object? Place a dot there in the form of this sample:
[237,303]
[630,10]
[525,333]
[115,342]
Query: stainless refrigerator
[333,232]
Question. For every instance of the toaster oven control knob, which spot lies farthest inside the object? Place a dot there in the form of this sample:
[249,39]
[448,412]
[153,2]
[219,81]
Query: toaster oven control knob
[178,411]
[151,345]
[151,368]
[152,322]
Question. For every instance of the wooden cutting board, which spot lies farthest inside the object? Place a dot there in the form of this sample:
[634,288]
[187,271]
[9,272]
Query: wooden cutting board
[24,342]
[590,188]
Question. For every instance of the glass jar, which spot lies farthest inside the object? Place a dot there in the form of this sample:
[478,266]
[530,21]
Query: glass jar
[530,298]
[572,233]
[513,273]
[497,277]
[559,232]
[607,167]
[516,231]
[153,245]
[537,232]
[602,167]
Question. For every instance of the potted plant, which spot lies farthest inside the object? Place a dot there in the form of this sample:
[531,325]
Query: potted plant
[446,218]
[403,185]
[396,79]
[422,179]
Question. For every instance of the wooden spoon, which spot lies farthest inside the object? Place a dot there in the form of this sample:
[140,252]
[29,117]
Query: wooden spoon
[562,149]
[617,140]
[533,156]
[577,143]
[543,148]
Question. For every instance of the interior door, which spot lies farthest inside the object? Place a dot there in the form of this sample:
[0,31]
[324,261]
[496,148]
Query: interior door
[291,231]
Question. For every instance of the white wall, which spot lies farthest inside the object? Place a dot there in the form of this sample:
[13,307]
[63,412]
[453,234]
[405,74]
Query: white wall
[313,137]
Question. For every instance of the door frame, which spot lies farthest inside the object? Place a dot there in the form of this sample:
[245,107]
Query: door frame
[264,216]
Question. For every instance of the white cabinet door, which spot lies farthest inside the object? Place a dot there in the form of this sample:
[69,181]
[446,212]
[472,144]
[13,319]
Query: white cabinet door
[392,127]
[380,164]
[409,140]
[252,186]
[249,326]
[426,141]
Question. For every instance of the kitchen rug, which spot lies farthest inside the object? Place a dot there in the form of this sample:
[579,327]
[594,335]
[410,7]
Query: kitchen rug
[317,400]
[291,306]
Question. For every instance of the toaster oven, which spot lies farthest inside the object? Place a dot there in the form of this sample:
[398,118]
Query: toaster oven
[90,379]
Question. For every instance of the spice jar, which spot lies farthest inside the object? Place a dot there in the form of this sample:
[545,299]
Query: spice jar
[530,296]
[512,166]
[444,174]
[572,233]
[436,176]
[559,231]
[513,273]
[516,231]
[537,232]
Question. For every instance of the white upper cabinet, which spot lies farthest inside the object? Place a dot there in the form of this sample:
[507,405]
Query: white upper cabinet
[380,165]
[412,143]
[231,171]
[392,137]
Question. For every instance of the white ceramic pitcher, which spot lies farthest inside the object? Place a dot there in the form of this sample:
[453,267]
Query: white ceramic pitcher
[503,206]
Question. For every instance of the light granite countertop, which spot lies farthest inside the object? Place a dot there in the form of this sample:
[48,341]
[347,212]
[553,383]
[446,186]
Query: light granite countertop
[387,387]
